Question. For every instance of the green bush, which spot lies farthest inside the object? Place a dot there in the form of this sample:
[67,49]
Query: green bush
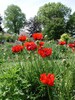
[9,38]
[65,37]
[2,38]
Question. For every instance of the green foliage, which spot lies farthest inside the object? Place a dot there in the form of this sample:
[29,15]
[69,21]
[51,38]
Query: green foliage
[14,19]
[1,29]
[1,37]
[20,73]
[53,17]
[8,37]
[0,20]
[65,37]
[33,25]
[71,24]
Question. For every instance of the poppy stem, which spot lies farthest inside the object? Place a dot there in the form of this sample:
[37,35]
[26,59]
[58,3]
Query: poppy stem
[48,93]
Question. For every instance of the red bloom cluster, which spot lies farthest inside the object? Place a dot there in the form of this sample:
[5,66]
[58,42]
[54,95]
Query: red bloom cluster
[30,45]
[47,79]
[71,45]
[41,43]
[17,48]
[37,36]
[44,52]
[22,38]
[61,42]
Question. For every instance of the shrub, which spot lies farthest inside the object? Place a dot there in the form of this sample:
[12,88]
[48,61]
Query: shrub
[65,37]
[2,38]
[9,37]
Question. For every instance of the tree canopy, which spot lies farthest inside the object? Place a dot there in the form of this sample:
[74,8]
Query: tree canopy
[0,20]
[54,17]
[33,25]
[1,30]
[71,24]
[14,19]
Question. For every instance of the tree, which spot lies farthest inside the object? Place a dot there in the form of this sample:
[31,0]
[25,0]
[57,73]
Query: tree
[0,20]
[34,25]
[70,28]
[1,29]
[14,19]
[53,17]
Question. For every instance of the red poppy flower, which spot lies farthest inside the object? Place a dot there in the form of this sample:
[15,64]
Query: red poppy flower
[61,42]
[71,45]
[43,78]
[22,38]
[41,43]
[47,79]
[51,79]
[44,52]
[30,45]
[37,36]
[17,48]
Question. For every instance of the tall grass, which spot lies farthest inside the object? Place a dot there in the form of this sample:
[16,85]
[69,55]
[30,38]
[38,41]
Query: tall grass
[20,74]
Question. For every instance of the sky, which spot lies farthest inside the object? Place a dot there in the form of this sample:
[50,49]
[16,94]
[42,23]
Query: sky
[31,7]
